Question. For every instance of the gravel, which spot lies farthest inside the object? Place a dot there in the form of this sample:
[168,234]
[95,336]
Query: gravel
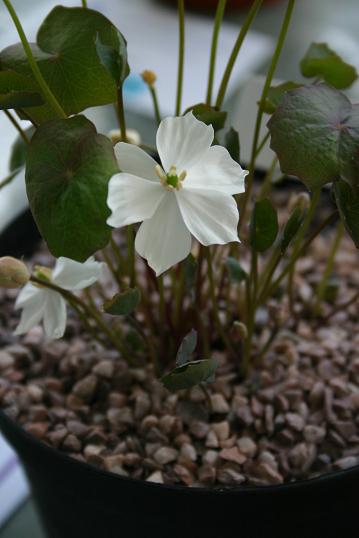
[295,417]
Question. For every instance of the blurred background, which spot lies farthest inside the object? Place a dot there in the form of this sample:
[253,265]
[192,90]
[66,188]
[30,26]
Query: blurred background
[150,27]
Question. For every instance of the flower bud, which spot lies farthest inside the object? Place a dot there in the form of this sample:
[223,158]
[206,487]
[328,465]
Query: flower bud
[149,77]
[239,331]
[13,273]
[133,136]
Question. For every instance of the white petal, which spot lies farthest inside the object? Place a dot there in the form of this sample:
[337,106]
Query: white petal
[183,141]
[132,199]
[164,239]
[54,315]
[72,275]
[33,302]
[218,171]
[29,294]
[211,216]
[135,161]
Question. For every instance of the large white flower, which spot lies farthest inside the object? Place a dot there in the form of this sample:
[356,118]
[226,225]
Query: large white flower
[43,304]
[190,194]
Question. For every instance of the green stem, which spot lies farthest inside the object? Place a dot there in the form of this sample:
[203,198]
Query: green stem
[267,182]
[262,143]
[237,47]
[84,3]
[298,248]
[131,255]
[156,107]
[212,64]
[212,291]
[17,126]
[46,92]
[121,114]
[111,268]
[252,312]
[10,177]
[180,56]
[267,84]
[322,286]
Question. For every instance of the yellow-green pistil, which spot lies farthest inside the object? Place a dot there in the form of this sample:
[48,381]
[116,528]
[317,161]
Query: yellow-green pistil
[171,181]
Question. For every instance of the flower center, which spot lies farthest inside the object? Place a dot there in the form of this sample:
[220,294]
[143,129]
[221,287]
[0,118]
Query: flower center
[171,181]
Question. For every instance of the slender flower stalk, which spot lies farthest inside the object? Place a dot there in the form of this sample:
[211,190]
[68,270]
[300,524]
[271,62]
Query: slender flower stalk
[84,3]
[234,54]
[121,114]
[181,50]
[17,126]
[267,84]
[45,90]
[322,286]
[212,64]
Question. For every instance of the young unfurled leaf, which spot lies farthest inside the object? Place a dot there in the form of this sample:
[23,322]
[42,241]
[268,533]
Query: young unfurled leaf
[275,95]
[68,168]
[186,349]
[232,144]
[67,57]
[19,150]
[236,273]
[264,225]
[123,303]
[347,200]
[18,91]
[209,115]
[321,61]
[190,374]
[114,58]
[315,134]
[291,228]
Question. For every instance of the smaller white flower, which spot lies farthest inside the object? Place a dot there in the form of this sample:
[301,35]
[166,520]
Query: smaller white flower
[43,304]
[190,195]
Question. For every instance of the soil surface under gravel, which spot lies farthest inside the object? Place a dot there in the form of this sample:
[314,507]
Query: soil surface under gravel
[295,417]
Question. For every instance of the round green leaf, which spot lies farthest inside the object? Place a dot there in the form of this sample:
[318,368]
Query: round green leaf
[68,59]
[264,225]
[68,168]
[321,61]
[315,134]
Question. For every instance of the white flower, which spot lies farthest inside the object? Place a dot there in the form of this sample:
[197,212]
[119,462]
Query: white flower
[191,194]
[43,304]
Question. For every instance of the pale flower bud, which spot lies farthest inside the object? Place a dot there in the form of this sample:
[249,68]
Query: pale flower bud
[149,77]
[13,273]
[239,331]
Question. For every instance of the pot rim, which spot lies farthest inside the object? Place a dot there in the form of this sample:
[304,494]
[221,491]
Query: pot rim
[223,490]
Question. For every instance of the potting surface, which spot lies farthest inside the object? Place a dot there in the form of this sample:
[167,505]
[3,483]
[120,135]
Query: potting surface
[312,21]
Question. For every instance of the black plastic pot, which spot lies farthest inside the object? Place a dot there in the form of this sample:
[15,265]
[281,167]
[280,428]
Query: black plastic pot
[76,500]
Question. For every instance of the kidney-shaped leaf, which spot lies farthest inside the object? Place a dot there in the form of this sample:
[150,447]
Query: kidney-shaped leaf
[190,374]
[348,205]
[68,167]
[321,61]
[67,57]
[264,225]
[315,134]
[123,303]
